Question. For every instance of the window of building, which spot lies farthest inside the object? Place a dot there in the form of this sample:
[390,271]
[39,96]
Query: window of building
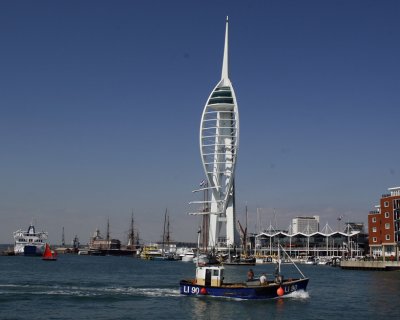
[387,237]
[386,204]
[374,239]
[387,214]
[373,219]
[374,229]
[387,225]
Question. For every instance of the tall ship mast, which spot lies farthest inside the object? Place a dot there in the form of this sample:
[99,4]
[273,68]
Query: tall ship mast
[132,241]
[219,143]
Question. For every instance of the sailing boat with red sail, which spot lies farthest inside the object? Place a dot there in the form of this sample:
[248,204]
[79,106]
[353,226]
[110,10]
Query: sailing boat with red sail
[49,255]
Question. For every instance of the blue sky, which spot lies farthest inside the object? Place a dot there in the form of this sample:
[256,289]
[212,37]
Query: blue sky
[100,106]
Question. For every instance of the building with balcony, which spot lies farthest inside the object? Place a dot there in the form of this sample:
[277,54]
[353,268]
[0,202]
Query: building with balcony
[384,225]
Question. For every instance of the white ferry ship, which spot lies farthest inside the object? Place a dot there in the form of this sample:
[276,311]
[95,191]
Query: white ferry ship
[30,242]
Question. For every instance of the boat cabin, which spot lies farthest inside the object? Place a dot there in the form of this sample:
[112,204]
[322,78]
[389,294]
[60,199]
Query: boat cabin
[210,276]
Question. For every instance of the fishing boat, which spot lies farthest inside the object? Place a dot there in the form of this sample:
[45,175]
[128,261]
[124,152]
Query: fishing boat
[48,254]
[29,242]
[209,281]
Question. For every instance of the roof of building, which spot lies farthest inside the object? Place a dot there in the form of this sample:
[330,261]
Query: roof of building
[284,234]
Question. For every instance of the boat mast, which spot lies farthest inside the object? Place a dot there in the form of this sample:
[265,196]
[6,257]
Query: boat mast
[132,233]
[279,259]
[205,218]
[163,238]
[108,233]
[168,234]
[198,247]
[245,236]
[63,238]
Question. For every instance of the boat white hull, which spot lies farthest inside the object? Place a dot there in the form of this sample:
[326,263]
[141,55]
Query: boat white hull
[187,258]
[202,259]
[265,260]
[29,249]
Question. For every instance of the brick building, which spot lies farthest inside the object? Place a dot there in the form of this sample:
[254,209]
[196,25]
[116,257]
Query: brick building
[384,225]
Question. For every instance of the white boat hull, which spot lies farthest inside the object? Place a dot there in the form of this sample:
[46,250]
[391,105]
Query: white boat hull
[29,249]
[187,258]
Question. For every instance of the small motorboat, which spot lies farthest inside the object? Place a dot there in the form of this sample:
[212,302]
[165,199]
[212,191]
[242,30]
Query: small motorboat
[48,254]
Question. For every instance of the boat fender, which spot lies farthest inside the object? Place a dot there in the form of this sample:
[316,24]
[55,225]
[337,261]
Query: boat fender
[280,291]
[203,291]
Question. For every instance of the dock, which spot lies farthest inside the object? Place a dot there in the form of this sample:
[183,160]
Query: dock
[370,265]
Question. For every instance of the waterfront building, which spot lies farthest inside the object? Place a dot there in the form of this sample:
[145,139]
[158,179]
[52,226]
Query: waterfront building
[384,225]
[348,244]
[219,142]
[355,226]
[305,225]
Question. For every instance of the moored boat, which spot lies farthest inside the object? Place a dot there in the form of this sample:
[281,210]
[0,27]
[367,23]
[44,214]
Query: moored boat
[265,259]
[29,242]
[150,252]
[209,281]
[186,254]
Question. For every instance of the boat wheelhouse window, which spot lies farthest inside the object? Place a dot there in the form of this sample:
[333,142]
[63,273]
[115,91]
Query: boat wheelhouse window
[216,273]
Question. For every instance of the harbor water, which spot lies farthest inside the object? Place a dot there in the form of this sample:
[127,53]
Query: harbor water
[93,287]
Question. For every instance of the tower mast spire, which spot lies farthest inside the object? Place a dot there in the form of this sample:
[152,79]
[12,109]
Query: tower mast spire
[225,62]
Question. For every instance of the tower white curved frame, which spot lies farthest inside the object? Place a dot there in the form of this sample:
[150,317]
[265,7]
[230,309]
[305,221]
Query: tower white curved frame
[219,142]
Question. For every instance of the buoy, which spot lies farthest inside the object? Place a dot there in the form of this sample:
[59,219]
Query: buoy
[280,291]
[203,291]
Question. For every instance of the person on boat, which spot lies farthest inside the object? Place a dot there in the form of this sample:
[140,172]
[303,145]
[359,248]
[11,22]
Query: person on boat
[263,279]
[250,275]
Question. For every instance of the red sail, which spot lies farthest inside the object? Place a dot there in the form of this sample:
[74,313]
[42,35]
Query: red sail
[48,255]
